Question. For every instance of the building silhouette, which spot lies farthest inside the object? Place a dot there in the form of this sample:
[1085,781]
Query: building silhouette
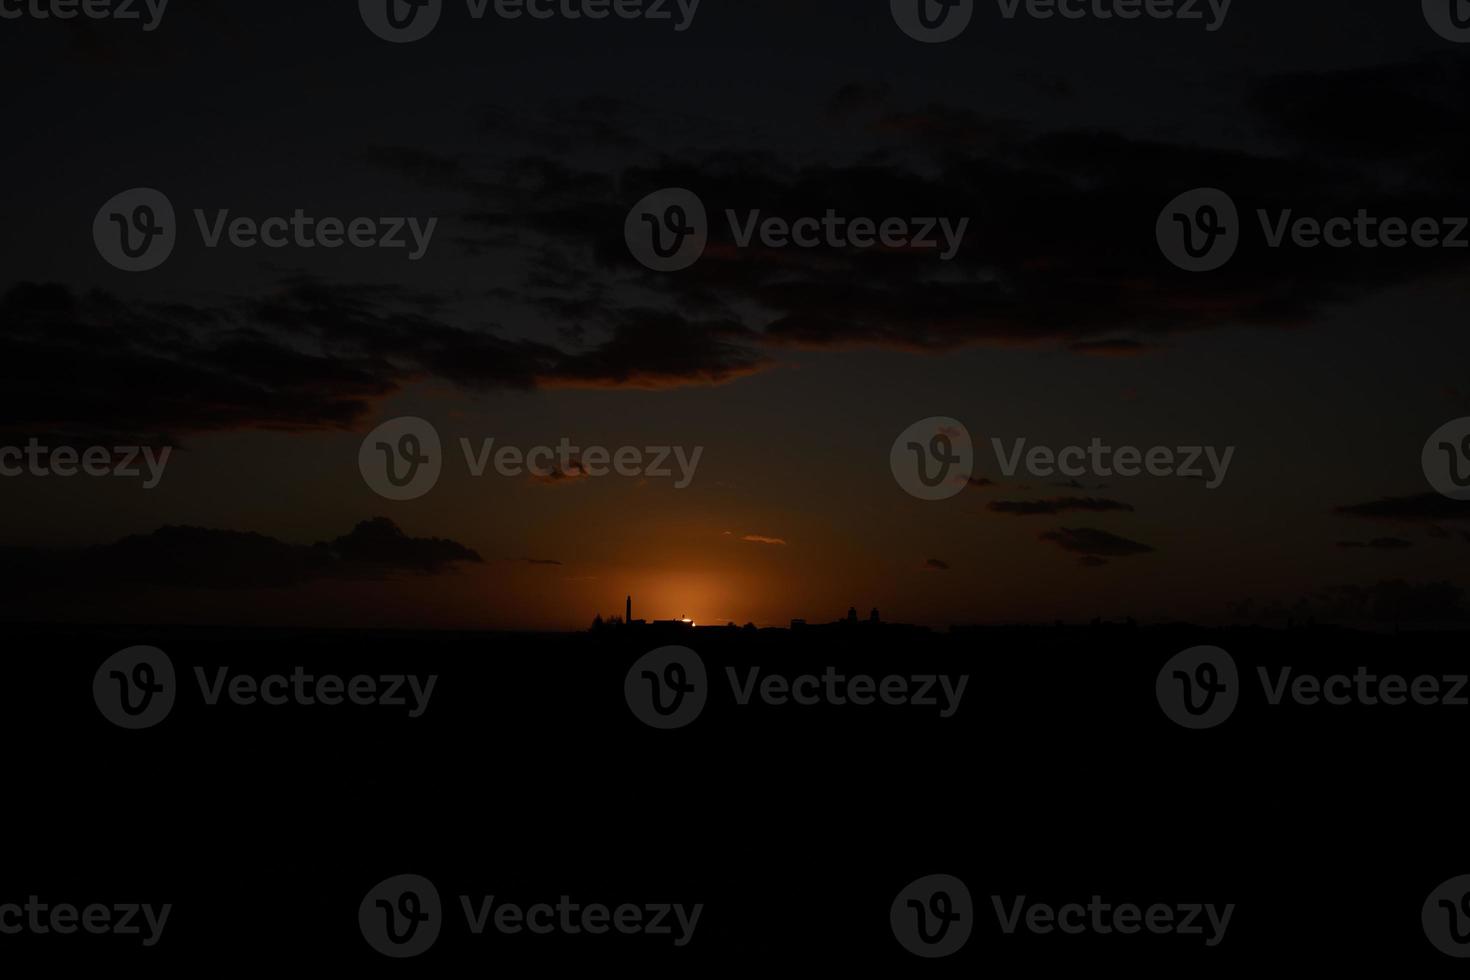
[849,622]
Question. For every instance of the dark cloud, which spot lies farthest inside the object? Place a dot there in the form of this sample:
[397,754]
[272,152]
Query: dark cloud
[559,475]
[1091,542]
[1387,603]
[381,543]
[1378,544]
[650,349]
[1393,138]
[210,558]
[308,355]
[1408,115]
[642,348]
[937,565]
[1112,348]
[317,355]
[857,97]
[94,362]
[1405,602]
[1101,288]
[420,166]
[951,132]
[1056,505]
[1416,509]
[593,121]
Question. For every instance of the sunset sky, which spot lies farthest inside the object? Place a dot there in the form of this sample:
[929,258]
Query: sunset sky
[528,321]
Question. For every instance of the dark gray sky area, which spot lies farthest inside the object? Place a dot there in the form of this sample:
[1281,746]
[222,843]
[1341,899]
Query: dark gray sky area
[527,318]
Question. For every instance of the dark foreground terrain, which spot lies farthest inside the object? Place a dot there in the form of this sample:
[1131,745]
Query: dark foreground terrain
[528,776]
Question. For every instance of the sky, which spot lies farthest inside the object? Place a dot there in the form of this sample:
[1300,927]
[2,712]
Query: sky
[529,320]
